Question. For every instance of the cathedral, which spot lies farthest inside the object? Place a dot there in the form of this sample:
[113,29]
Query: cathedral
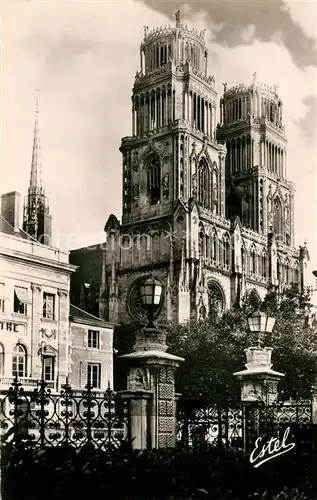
[207,208]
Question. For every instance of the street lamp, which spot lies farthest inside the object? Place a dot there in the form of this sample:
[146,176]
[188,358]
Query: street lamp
[261,323]
[150,296]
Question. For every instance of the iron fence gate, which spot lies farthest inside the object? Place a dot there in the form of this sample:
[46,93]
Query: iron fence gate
[75,418]
[238,425]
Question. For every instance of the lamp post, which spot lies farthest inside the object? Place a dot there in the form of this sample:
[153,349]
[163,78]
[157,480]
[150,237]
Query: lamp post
[150,296]
[259,381]
[151,377]
[261,323]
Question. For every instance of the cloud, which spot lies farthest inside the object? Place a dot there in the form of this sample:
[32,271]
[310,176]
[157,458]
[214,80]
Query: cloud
[307,124]
[267,19]
[83,56]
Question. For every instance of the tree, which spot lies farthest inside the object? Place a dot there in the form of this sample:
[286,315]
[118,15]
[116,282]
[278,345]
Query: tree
[214,348]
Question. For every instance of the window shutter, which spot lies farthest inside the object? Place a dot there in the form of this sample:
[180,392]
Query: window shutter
[83,374]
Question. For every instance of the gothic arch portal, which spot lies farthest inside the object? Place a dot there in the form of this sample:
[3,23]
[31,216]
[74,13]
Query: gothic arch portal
[216,297]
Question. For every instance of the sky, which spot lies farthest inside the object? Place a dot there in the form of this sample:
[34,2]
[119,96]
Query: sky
[83,56]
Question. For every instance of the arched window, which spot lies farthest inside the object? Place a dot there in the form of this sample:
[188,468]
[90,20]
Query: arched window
[287,272]
[207,248]
[296,273]
[154,178]
[1,359]
[19,361]
[279,270]
[278,219]
[263,264]
[215,191]
[214,246]
[203,184]
[226,251]
[243,262]
[201,243]
[253,260]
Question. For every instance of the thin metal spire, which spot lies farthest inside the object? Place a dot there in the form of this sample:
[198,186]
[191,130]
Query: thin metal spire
[36,166]
[36,220]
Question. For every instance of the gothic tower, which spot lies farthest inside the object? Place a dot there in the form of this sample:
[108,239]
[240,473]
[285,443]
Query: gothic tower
[193,214]
[257,189]
[37,221]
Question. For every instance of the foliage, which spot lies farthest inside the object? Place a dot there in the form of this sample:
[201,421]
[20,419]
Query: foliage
[214,348]
[63,473]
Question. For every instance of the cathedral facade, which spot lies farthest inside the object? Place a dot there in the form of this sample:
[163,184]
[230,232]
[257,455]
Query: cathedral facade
[206,208]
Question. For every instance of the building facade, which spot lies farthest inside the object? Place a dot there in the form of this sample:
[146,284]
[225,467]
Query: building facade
[91,351]
[34,312]
[41,334]
[207,208]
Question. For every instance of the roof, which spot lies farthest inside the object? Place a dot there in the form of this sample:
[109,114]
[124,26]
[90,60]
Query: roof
[5,227]
[77,315]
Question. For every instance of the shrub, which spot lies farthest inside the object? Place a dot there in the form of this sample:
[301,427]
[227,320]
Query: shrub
[30,473]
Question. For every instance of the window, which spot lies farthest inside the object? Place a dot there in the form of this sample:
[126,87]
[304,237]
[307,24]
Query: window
[93,339]
[93,375]
[48,368]
[20,300]
[1,359]
[19,361]
[203,184]
[154,178]
[278,222]
[48,306]
[1,297]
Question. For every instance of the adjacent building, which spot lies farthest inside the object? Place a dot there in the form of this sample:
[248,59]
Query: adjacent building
[91,350]
[34,307]
[41,334]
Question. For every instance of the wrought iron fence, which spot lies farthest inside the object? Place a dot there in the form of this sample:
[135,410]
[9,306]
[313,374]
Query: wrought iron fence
[217,425]
[273,420]
[69,417]
[238,425]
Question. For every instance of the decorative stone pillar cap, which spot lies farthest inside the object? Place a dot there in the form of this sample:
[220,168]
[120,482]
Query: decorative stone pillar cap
[258,358]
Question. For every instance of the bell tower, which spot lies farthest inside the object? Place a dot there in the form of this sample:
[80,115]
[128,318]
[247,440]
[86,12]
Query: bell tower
[207,211]
[256,178]
[173,117]
[173,167]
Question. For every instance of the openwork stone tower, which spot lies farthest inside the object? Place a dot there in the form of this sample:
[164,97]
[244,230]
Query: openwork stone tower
[207,208]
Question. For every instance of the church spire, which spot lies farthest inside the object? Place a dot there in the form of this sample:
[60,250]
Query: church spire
[36,166]
[36,220]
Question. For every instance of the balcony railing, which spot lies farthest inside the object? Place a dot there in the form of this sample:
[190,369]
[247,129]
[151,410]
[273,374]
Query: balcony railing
[26,382]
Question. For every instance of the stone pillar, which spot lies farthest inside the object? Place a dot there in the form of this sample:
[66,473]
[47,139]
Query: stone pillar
[151,390]
[259,382]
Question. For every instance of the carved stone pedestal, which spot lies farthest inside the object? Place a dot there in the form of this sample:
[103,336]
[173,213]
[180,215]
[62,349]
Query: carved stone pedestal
[259,382]
[151,391]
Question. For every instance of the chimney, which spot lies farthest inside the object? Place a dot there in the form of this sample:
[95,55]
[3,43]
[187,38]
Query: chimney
[10,209]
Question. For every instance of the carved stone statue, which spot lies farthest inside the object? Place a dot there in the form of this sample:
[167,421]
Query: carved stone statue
[165,183]
[138,379]
[136,193]
[194,185]
[202,312]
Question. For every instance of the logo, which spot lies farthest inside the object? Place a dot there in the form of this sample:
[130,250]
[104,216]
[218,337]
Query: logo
[271,449]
